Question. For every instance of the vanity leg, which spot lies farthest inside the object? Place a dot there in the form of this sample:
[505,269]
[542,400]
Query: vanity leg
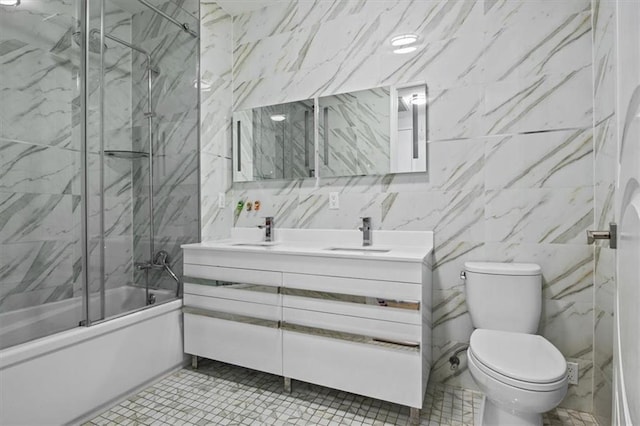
[414,416]
[287,384]
[194,362]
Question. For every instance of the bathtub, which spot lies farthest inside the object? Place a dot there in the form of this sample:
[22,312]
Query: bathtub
[66,377]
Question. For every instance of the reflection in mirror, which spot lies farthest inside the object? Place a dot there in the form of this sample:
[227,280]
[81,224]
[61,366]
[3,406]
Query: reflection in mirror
[354,133]
[274,142]
[409,150]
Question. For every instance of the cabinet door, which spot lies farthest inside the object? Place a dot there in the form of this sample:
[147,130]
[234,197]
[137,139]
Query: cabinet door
[236,340]
[388,373]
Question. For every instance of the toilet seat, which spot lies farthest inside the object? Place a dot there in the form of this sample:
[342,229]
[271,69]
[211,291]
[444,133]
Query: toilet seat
[525,361]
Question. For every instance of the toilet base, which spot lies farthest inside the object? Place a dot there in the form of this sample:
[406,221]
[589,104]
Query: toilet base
[492,415]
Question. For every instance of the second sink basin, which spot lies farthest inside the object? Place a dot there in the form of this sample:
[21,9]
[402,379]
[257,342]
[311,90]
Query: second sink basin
[257,244]
[359,249]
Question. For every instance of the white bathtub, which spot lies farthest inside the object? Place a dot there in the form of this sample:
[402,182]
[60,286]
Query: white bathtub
[67,376]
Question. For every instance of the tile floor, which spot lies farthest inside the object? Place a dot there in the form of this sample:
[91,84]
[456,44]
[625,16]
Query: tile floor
[222,394]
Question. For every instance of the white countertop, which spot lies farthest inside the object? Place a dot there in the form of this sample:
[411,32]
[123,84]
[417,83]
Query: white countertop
[402,246]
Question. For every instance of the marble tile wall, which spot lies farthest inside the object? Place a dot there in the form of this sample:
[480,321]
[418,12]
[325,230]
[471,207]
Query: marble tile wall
[175,136]
[510,152]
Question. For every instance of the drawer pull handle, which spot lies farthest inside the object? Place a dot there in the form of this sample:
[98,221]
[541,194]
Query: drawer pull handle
[402,345]
[232,285]
[412,305]
[245,319]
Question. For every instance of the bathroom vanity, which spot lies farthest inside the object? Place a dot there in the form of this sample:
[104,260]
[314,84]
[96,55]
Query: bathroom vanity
[316,306]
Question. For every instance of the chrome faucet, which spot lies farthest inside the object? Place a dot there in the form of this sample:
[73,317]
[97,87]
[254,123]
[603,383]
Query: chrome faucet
[366,231]
[268,228]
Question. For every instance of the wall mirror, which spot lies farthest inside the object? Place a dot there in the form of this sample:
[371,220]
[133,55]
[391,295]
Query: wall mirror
[367,132]
[274,142]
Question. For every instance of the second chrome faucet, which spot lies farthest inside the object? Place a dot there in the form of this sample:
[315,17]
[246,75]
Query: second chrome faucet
[366,231]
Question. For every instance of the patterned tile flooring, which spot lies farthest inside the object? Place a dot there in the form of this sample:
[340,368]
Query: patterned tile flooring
[222,394]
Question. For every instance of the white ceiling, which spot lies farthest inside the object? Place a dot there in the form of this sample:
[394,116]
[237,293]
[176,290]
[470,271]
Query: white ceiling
[236,7]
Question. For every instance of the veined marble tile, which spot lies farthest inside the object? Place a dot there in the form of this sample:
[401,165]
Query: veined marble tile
[567,269]
[580,397]
[37,89]
[604,59]
[569,326]
[441,64]
[604,310]
[38,169]
[558,216]
[560,159]
[312,12]
[26,299]
[35,217]
[216,119]
[432,20]
[148,24]
[176,216]
[283,208]
[413,211]
[530,38]
[270,20]
[456,164]
[455,113]
[548,102]
[602,397]
[267,56]
[462,218]
[36,265]
[449,261]
[313,211]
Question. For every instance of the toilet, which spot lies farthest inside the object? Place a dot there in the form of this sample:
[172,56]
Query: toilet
[521,374]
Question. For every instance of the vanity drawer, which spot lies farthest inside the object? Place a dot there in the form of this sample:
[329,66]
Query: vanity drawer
[254,293]
[253,346]
[378,372]
[355,306]
[219,305]
[409,334]
[236,275]
[356,286]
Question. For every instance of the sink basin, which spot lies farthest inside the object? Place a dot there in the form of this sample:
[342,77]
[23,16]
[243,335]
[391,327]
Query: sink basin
[257,244]
[359,249]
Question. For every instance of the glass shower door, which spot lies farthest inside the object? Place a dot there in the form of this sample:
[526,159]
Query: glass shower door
[41,252]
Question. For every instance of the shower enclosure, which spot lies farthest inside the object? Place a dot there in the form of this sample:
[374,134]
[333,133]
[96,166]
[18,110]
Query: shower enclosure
[99,159]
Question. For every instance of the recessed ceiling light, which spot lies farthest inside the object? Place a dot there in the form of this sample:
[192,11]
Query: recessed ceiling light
[278,117]
[407,49]
[9,2]
[418,99]
[404,39]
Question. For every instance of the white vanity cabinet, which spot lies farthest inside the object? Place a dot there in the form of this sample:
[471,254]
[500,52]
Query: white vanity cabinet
[354,321]
[233,315]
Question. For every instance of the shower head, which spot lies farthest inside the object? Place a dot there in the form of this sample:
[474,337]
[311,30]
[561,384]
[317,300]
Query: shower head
[94,41]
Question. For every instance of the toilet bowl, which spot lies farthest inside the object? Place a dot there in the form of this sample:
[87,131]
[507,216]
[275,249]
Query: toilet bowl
[521,374]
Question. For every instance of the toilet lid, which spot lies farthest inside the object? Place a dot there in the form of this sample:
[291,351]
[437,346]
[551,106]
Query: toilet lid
[524,357]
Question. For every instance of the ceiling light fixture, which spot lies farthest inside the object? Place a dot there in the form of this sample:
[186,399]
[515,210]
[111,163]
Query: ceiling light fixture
[278,117]
[407,49]
[9,2]
[404,39]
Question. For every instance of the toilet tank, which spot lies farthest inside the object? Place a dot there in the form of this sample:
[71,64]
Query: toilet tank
[504,296]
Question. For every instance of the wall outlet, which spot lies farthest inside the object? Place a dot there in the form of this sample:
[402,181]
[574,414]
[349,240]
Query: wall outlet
[334,200]
[222,200]
[572,372]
